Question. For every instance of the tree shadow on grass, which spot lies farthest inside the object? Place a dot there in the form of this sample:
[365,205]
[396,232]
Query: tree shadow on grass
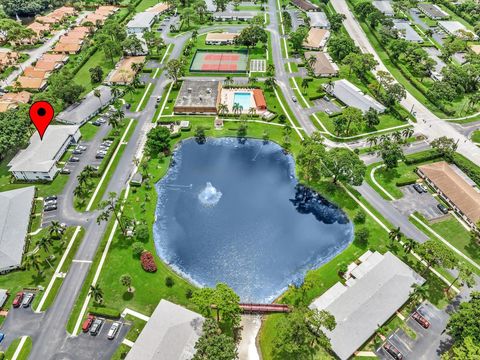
[127,296]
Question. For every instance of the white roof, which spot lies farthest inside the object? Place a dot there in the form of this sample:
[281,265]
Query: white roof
[351,95]
[318,19]
[3,297]
[407,30]
[384,6]
[15,209]
[40,155]
[454,26]
[171,333]
[361,308]
[142,20]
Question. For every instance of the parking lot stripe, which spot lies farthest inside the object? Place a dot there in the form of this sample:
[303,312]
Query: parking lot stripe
[19,347]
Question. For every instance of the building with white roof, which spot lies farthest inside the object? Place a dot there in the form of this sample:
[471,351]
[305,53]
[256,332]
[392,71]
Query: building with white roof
[234,15]
[318,19]
[375,289]
[14,222]
[141,22]
[39,160]
[457,29]
[406,31]
[171,333]
[384,6]
[351,95]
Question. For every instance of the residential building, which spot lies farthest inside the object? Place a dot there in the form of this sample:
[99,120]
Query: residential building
[316,39]
[8,58]
[38,161]
[224,38]
[234,15]
[453,187]
[384,6]
[15,214]
[67,48]
[475,49]
[259,98]
[25,82]
[160,8]
[318,19]
[457,29]
[351,95]
[20,97]
[376,287]
[6,105]
[198,97]
[406,31]
[323,66]
[79,113]
[39,28]
[305,5]
[3,297]
[141,22]
[123,73]
[35,73]
[432,11]
[171,333]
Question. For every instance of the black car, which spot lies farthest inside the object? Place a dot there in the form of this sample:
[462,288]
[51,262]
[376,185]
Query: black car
[442,208]
[418,188]
[96,123]
[393,351]
[74,159]
[50,207]
[96,326]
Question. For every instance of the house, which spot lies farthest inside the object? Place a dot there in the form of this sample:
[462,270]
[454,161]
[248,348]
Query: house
[82,111]
[375,289]
[55,57]
[171,333]
[259,98]
[35,73]
[25,82]
[350,95]
[452,186]
[475,48]
[159,9]
[211,7]
[123,73]
[234,15]
[319,20]
[385,7]
[323,66]
[67,48]
[198,97]
[141,22]
[15,214]
[95,18]
[6,105]
[39,28]
[224,38]
[432,11]
[316,39]
[457,29]
[38,161]
[8,58]
[406,31]
[19,97]
[305,5]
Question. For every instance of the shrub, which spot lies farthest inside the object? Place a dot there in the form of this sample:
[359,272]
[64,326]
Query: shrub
[422,157]
[343,269]
[359,217]
[362,235]
[142,233]
[169,281]
[468,167]
[105,312]
[148,262]
[189,293]
[137,248]
[405,182]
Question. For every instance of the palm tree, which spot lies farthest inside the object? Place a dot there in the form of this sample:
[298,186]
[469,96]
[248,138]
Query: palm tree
[397,136]
[311,61]
[136,67]
[305,84]
[236,108]
[44,243]
[32,260]
[222,109]
[409,244]
[82,178]
[228,80]
[89,170]
[115,91]
[252,80]
[270,82]
[55,229]
[372,140]
[113,121]
[419,292]
[252,111]
[395,234]
[98,94]
[96,292]
[408,133]
[126,280]
[384,138]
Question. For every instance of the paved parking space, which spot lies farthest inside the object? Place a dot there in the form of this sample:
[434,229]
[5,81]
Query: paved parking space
[412,201]
[428,343]
[326,106]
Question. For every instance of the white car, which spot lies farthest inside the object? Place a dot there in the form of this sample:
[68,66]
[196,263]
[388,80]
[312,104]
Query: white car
[113,330]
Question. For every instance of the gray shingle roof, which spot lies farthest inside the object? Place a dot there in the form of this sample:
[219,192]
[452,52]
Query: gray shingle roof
[142,20]
[408,32]
[318,19]
[171,333]
[40,154]
[383,285]
[384,6]
[350,95]
[14,219]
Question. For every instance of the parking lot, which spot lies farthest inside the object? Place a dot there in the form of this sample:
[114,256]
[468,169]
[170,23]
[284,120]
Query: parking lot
[424,203]
[427,343]
[326,106]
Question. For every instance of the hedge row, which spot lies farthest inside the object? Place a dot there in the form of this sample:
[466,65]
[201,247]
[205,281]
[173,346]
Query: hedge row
[104,312]
[405,182]
[422,157]
[468,167]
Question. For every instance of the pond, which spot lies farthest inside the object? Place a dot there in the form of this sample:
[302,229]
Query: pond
[234,212]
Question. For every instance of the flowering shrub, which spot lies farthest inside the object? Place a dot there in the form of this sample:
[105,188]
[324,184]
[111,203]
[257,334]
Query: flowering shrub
[148,263]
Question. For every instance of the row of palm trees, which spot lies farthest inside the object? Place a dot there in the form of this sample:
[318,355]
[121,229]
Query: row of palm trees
[237,109]
[396,136]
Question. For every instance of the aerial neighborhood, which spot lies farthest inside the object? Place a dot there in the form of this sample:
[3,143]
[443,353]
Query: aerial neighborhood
[216,179]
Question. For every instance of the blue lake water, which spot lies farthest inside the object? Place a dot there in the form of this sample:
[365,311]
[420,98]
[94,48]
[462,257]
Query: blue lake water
[235,213]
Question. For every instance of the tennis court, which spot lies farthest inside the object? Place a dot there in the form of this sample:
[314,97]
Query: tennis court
[234,61]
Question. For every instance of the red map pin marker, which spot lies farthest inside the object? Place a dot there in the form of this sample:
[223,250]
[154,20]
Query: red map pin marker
[41,114]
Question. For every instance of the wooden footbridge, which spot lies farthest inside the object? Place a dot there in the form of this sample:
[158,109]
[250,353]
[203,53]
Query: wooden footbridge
[249,308]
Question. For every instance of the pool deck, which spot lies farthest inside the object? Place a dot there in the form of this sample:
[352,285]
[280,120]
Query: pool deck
[228,96]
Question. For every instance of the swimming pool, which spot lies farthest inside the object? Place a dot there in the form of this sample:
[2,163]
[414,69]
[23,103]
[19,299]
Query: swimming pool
[244,99]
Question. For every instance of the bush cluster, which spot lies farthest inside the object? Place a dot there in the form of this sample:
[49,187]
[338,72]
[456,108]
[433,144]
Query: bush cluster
[148,262]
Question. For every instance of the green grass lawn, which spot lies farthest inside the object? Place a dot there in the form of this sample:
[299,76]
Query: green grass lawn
[88,131]
[23,355]
[388,178]
[476,136]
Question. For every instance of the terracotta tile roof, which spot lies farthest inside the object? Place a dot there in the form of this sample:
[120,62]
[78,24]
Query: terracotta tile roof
[475,48]
[35,73]
[159,8]
[259,99]
[123,73]
[46,65]
[8,58]
[38,28]
[71,39]
[22,96]
[94,17]
[6,105]
[67,48]
[462,194]
[54,57]
[47,19]
[31,83]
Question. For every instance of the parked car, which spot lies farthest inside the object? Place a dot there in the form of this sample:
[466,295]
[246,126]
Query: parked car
[88,323]
[159,98]
[393,351]
[99,156]
[424,187]
[77,152]
[328,111]
[326,98]
[81,147]
[27,300]
[50,202]
[2,336]
[102,120]
[17,301]
[96,326]
[442,208]
[74,159]
[65,171]
[51,197]
[418,188]
[419,318]
[113,330]
[96,123]
[50,207]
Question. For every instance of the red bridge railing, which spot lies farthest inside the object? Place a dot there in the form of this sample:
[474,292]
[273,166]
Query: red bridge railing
[264,308]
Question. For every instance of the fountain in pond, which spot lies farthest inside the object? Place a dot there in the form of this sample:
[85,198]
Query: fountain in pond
[209,196]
